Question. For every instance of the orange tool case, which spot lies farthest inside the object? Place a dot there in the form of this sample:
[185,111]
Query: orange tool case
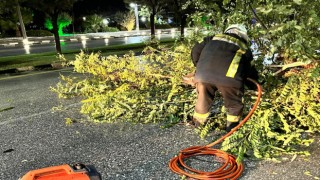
[64,172]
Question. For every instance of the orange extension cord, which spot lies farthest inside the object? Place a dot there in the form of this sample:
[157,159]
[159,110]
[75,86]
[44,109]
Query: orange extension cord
[229,170]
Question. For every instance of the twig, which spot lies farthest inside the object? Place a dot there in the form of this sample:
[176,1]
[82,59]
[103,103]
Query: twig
[255,14]
[161,76]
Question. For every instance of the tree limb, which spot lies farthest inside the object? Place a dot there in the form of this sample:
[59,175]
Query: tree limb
[291,65]
[258,18]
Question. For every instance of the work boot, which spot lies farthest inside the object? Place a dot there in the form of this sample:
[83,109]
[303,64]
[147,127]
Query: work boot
[231,125]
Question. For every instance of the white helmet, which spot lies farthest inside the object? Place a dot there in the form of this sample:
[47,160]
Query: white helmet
[238,29]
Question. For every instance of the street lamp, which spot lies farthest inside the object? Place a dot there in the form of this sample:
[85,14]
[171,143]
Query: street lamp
[135,6]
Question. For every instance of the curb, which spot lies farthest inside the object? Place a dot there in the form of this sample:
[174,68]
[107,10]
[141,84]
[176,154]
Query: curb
[14,42]
[53,66]
[49,41]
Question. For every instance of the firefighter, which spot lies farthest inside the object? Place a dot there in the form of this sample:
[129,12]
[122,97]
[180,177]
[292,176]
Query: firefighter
[223,62]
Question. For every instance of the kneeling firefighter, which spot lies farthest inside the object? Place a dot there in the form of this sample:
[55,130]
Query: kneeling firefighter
[223,62]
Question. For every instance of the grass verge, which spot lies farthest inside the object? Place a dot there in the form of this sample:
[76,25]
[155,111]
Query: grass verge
[13,62]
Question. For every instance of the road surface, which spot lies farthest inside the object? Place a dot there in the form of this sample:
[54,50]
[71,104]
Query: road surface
[33,136]
[75,45]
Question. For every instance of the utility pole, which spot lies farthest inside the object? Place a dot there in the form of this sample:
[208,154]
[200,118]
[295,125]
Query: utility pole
[23,29]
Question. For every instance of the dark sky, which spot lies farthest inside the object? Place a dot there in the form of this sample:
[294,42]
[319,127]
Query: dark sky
[102,7]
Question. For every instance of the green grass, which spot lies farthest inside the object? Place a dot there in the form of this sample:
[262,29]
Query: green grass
[13,62]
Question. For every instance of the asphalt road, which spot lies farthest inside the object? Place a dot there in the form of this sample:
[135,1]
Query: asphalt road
[33,136]
[76,45]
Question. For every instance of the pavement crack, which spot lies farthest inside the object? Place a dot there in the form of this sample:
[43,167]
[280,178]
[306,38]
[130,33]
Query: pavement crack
[8,150]
[6,109]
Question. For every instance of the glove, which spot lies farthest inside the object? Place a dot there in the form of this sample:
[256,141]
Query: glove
[189,79]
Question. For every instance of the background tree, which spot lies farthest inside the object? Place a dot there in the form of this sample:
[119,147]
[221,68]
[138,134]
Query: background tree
[155,6]
[9,17]
[125,19]
[128,21]
[22,27]
[52,8]
[64,20]
[94,23]
[181,8]
[210,14]
[144,13]
[287,28]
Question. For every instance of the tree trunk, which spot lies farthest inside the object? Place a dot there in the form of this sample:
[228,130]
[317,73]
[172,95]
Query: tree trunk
[183,25]
[18,32]
[23,29]
[152,24]
[56,32]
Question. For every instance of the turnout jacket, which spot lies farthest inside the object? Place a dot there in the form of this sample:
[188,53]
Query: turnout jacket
[225,60]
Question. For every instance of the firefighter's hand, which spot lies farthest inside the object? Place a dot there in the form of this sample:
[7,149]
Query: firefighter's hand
[189,79]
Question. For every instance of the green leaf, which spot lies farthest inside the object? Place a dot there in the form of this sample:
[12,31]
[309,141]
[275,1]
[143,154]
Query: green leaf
[286,126]
[297,2]
[225,2]
[308,173]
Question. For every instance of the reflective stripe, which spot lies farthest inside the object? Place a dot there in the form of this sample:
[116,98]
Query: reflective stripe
[232,118]
[225,40]
[233,68]
[201,116]
[230,39]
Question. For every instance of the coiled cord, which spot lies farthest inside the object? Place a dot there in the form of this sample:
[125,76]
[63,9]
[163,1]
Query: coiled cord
[231,169]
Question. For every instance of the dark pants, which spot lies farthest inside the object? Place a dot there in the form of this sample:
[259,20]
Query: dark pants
[232,98]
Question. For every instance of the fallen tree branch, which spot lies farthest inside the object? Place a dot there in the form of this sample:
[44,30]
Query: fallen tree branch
[291,65]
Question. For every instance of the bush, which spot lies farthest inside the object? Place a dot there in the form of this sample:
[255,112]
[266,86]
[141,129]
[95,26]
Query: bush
[94,23]
[110,29]
[38,33]
[158,26]
[163,26]
[126,20]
